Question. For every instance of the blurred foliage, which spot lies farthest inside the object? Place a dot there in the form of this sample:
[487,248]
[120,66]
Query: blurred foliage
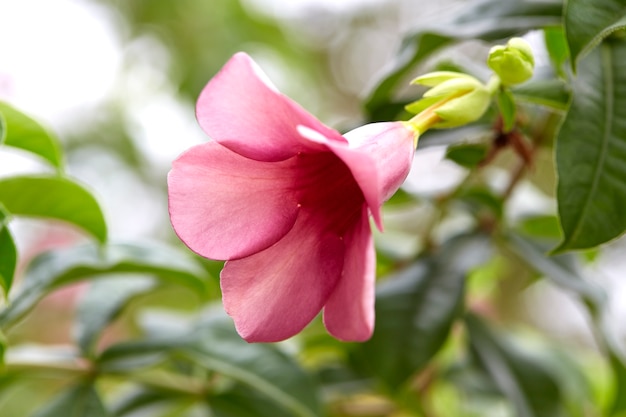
[141,331]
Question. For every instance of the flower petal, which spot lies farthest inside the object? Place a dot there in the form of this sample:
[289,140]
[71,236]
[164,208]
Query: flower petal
[379,155]
[224,206]
[243,111]
[349,312]
[274,294]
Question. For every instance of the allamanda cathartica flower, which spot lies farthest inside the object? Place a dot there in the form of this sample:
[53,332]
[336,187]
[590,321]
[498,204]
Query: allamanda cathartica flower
[286,201]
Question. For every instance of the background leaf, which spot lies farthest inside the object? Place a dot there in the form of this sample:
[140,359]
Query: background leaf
[550,93]
[262,367]
[556,44]
[523,379]
[587,22]
[54,198]
[416,309]
[468,155]
[55,269]
[78,401]
[25,133]
[591,150]
[8,253]
[102,302]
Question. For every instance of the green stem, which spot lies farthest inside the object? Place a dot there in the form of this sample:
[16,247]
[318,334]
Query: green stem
[494,84]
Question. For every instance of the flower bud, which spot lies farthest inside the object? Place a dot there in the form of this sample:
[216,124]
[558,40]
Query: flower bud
[513,63]
[455,99]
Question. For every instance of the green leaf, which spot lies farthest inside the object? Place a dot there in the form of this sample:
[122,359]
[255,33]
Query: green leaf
[102,302]
[541,226]
[556,44]
[79,401]
[243,401]
[480,19]
[55,198]
[20,131]
[591,150]
[521,377]
[506,104]
[587,22]
[415,310]
[55,269]
[563,270]
[261,372]
[618,365]
[140,398]
[8,253]
[550,93]
[3,129]
[261,367]
[468,155]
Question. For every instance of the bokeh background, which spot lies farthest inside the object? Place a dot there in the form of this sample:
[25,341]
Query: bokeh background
[117,81]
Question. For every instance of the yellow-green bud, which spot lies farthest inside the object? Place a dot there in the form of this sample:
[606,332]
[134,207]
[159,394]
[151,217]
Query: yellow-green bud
[513,63]
[456,98]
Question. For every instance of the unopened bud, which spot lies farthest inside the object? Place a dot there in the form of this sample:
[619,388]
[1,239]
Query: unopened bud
[455,98]
[513,63]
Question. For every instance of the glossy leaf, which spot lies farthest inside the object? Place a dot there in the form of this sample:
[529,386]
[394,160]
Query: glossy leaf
[468,155]
[524,380]
[563,270]
[550,93]
[479,19]
[102,302]
[8,253]
[25,133]
[262,367]
[415,309]
[556,44]
[541,226]
[53,198]
[591,150]
[142,398]
[243,401]
[55,269]
[587,22]
[78,401]
[261,371]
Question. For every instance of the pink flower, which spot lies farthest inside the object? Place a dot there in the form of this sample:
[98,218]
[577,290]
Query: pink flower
[286,201]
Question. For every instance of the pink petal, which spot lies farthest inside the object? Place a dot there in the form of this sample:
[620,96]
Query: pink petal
[243,111]
[349,312]
[224,206]
[379,155]
[274,294]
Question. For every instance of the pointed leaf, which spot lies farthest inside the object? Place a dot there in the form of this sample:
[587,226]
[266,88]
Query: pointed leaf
[468,155]
[591,152]
[524,380]
[57,268]
[556,44]
[261,367]
[506,104]
[415,310]
[550,93]
[25,133]
[587,22]
[54,198]
[8,253]
[78,401]
[563,270]
[102,302]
